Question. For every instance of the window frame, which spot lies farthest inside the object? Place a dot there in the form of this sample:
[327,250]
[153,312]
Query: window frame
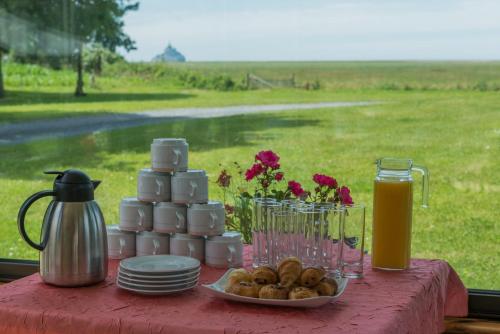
[483,304]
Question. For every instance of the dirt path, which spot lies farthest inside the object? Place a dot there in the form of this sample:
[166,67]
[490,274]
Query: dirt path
[70,126]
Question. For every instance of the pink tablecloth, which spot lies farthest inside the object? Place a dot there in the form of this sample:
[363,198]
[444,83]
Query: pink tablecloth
[414,301]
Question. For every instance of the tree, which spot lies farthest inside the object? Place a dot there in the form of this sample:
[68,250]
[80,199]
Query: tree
[55,31]
[99,21]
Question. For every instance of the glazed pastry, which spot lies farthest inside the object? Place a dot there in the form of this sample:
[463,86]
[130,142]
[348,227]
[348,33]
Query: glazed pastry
[302,292]
[311,276]
[273,291]
[289,271]
[245,289]
[264,275]
[238,275]
[327,287]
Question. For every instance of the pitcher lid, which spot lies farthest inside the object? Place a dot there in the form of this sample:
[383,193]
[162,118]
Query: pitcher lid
[73,185]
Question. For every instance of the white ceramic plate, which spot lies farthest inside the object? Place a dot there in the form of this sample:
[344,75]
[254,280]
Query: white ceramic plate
[153,292]
[159,264]
[217,290]
[161,278]
[159,284]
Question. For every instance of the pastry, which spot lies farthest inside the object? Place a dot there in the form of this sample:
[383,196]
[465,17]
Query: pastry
[238,275]
[302,292]
[289,271]
[246,289]
[326,287]
[273,291]
[264,275]
[311,276]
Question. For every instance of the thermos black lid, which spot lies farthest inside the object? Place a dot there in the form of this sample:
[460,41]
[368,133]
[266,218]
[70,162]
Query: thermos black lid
[73,186]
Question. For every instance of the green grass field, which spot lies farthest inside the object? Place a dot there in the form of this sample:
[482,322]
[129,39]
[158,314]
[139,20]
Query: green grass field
[454,130]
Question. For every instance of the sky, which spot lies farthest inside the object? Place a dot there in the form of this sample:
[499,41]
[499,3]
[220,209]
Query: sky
[273,30]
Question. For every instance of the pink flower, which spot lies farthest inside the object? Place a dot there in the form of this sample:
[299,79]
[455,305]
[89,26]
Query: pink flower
[229,209]
[224,179]
[268,159]
[253,171]
[325,180]
[296,188]
[278,177]
[345,195]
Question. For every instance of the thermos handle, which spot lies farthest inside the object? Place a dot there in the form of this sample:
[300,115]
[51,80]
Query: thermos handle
[22,214]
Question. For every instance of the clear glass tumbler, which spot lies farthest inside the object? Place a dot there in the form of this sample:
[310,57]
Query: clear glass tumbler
[353,247]
[332,239]
[311,225]
[262,229]
[281,236]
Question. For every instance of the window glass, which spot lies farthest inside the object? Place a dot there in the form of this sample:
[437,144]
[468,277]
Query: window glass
[89,84]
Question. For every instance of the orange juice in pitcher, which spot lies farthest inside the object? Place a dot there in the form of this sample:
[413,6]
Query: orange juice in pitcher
[392,212]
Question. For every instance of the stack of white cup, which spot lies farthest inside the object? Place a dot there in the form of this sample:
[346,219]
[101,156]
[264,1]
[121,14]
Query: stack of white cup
[172,212]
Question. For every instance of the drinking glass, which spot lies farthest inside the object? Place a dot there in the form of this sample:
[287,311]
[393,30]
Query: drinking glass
[281,235]
[353,247]
[311,223]
[332,238]
[261,229]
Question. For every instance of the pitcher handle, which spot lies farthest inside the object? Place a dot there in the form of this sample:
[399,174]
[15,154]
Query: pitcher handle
[22,215]
[177,154]
[160,185]
[180,219]
[425,183]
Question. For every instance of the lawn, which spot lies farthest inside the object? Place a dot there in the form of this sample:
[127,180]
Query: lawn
[454,132]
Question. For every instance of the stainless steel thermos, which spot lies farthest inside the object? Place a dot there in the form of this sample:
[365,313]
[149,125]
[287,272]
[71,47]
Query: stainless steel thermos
[73,238]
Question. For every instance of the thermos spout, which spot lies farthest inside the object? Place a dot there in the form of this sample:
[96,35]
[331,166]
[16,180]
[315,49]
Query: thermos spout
[96,183]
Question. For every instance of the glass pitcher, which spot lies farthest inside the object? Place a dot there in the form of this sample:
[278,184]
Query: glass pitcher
[392,212]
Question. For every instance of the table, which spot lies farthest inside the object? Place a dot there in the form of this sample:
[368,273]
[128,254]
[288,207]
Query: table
[413,301]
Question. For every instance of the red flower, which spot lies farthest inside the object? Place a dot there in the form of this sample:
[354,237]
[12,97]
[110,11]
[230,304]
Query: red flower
[265,183]
[253,171]
[229,209]
[345,195]
[224,179]
[296,189]
[278,177]
[325,180]
[268,159]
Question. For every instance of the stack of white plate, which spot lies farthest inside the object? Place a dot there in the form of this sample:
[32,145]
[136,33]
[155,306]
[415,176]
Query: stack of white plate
[158,274]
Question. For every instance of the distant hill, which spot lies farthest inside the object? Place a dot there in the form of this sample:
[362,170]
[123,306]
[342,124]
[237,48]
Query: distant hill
[170,55]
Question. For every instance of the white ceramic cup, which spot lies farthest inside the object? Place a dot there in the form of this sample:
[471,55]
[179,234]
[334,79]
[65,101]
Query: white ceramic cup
[187,245]
[169,154]
[121,244]
[206,219]
[152,243]
[153,186]
[135,215]
[225,251]
[170,218]
[190,187]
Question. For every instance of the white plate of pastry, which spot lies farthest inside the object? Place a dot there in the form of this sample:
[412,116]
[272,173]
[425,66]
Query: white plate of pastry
[288,285]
